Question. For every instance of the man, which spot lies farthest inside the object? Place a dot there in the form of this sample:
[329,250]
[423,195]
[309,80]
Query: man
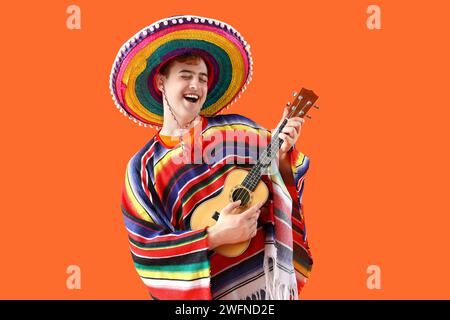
[174,75]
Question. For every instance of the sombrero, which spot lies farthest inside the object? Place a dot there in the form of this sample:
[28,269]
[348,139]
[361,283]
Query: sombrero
[226,53]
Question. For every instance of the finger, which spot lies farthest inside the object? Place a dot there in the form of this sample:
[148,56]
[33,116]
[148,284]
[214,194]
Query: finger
[294,124]
[299,119]
[255,210]
[285,113]
[259,205]
[250,213]
[296,119]
[287,139]
[254,215]
[284,116]
[251,228]
[287,142]
[291,131]
[232,205]
[235,203]
[256,206]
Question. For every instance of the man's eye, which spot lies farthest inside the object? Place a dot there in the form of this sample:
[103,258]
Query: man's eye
[186,77]
[203,80]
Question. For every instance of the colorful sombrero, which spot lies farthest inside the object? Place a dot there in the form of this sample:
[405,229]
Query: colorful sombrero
[224,50]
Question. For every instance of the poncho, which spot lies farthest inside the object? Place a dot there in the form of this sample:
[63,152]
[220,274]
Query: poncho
[161,192]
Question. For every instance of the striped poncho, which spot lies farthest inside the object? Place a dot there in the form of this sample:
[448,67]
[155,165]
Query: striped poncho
[160,195]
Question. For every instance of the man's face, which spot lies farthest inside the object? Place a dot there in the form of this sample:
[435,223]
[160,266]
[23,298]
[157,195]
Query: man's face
[186,87]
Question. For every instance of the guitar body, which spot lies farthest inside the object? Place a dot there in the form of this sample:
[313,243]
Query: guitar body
[207,213]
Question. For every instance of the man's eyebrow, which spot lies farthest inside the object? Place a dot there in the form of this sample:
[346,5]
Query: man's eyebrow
[192,72]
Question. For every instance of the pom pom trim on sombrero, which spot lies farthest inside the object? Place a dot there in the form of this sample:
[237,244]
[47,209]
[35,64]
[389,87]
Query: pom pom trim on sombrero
[224,50]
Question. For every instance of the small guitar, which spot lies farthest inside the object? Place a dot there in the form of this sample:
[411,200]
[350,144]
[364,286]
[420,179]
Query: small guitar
[247,185]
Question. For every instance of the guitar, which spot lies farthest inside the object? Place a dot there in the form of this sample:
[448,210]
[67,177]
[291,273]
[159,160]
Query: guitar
[247,186]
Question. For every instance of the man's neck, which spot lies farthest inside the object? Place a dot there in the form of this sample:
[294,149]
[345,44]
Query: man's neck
[170,126]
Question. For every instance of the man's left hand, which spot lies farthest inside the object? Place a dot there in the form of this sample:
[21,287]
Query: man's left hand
[290,132]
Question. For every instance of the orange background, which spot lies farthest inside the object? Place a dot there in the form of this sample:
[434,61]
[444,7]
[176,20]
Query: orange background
[376,192]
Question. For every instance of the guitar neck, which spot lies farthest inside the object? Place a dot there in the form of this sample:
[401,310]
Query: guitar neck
[254,176]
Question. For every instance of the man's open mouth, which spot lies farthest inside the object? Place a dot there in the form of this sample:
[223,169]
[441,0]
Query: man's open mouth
[191,97]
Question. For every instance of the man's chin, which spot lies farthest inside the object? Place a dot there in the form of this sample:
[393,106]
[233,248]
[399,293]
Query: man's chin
[191,110]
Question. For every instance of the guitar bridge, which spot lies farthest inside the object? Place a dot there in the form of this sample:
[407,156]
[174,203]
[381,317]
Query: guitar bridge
[216,215]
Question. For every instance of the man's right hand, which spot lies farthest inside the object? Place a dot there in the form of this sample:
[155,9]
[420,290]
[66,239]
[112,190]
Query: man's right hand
[234,228]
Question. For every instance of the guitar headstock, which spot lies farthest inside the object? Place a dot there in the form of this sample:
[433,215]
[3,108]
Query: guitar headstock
[303,101]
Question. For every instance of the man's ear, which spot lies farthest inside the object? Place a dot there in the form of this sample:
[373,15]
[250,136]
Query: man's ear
[160,82]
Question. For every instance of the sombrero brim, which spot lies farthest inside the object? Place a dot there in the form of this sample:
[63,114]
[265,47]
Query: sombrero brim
[224,50]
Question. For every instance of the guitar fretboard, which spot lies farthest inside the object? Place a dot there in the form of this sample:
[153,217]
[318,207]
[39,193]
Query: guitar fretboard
[251,180]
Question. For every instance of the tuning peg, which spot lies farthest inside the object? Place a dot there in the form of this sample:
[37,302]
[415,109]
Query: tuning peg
[294,94]
[288,104]
[316,106]
[308,116]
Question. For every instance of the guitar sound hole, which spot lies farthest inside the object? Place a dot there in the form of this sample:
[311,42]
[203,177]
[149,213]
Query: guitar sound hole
[241,194]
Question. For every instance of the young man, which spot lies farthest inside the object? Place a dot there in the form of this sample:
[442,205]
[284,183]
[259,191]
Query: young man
[175,75]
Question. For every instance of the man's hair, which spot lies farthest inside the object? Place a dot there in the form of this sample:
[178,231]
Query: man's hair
[189,58]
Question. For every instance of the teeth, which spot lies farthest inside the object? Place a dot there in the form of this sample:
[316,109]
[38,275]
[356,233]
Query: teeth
[191,96]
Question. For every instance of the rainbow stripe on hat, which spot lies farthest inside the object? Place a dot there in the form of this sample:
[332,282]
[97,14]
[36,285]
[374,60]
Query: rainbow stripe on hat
[226,53]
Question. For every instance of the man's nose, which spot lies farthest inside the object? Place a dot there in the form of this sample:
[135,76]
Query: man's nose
[194,84]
